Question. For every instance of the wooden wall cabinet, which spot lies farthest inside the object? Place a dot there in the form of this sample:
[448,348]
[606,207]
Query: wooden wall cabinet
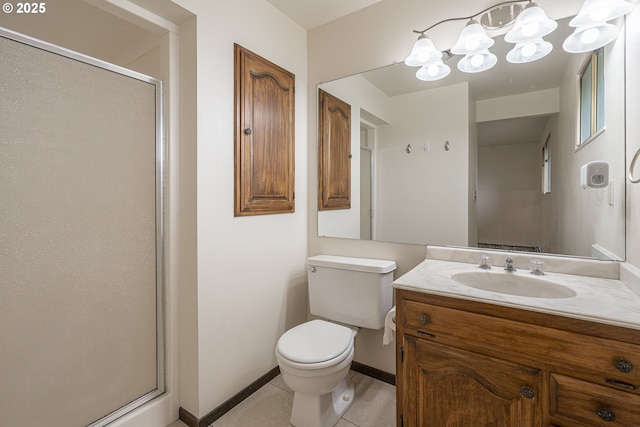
[464,363]
[334,153]
[264,136]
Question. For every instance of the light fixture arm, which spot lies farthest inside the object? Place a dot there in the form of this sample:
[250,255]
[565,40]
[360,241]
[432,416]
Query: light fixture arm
[466,18]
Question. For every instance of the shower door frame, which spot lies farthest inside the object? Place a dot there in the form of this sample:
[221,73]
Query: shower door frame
[160,209]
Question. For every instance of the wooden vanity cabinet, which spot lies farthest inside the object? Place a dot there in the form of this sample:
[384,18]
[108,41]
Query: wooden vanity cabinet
[469,364]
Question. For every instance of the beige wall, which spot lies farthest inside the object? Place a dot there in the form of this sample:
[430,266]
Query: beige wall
[251,277]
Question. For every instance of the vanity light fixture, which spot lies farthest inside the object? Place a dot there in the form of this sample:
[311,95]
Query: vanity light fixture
[591,28]
[477,62]
[525,27]
[590,37]
[599,11]
[435,70]
[474,44]
[529,51]
[527,33]
[531,24]
[472,39]
[423,52]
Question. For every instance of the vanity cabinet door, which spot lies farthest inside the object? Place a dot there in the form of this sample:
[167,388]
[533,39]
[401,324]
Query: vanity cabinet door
[447,387]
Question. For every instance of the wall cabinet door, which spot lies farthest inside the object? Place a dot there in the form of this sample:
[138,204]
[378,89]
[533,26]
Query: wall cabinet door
[264,136]
[447,387]
[334,153]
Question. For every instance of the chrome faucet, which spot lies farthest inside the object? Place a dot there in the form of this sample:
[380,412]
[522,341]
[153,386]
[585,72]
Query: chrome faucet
[509,267]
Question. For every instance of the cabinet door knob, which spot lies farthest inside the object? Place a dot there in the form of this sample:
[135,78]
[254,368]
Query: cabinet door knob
[623,365]
[424,319]
[606,414]
[527,392]
[247,131]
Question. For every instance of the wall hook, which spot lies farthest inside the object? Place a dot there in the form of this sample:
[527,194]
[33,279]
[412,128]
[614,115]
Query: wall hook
[447,146]
[408,148]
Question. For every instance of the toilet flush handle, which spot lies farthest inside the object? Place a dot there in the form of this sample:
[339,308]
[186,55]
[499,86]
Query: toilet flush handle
[312,269]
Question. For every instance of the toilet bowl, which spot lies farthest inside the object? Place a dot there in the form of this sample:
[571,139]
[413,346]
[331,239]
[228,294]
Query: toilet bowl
[315,358]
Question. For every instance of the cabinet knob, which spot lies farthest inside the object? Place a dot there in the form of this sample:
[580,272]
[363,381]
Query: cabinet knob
[606,414]
[527,392]
[424,319]
[623,365]
[247,131]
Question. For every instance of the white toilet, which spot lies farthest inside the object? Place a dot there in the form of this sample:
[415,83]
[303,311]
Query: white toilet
[315,357]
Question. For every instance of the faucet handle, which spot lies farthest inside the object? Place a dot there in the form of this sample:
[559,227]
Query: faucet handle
[509,265]
[537,267]
[484,262]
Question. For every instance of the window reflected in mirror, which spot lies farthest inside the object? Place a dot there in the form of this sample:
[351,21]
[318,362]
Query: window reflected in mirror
[592,96]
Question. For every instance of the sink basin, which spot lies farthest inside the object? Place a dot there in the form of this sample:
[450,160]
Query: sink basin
[513,284]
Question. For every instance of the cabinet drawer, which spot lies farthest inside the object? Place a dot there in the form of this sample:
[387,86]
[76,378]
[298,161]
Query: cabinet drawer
[592,404]
[602,358]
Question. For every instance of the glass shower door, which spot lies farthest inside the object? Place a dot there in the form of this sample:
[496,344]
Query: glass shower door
[81,237]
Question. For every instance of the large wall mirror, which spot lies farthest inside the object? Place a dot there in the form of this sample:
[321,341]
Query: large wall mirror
[490,159]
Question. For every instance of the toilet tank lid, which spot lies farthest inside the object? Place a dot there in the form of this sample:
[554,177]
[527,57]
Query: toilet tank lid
[349,263]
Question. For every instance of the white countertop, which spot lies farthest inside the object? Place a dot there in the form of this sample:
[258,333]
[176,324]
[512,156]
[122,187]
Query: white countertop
[603,300]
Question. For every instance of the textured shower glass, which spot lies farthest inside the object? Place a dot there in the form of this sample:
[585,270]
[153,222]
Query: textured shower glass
[78,259]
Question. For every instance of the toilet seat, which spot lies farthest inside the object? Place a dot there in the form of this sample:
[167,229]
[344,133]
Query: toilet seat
[316,342]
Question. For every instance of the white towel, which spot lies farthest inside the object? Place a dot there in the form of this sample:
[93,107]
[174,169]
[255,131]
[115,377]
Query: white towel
[389,327]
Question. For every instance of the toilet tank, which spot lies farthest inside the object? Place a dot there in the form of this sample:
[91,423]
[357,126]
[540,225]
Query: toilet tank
[355,291]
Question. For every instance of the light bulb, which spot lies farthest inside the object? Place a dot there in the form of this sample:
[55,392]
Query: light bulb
[530,29]
[528,50]
[477,60]
[423,56]
[472,45]
[590,35]
[432,70]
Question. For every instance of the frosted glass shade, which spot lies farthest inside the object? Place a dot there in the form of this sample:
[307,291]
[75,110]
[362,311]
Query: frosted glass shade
[423,52]
[529,51]
[472,39]
[531,24]
[588,38]
[435,71]
[600,11]
[477,62]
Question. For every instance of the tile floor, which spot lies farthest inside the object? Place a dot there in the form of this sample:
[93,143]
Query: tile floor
[270,406]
